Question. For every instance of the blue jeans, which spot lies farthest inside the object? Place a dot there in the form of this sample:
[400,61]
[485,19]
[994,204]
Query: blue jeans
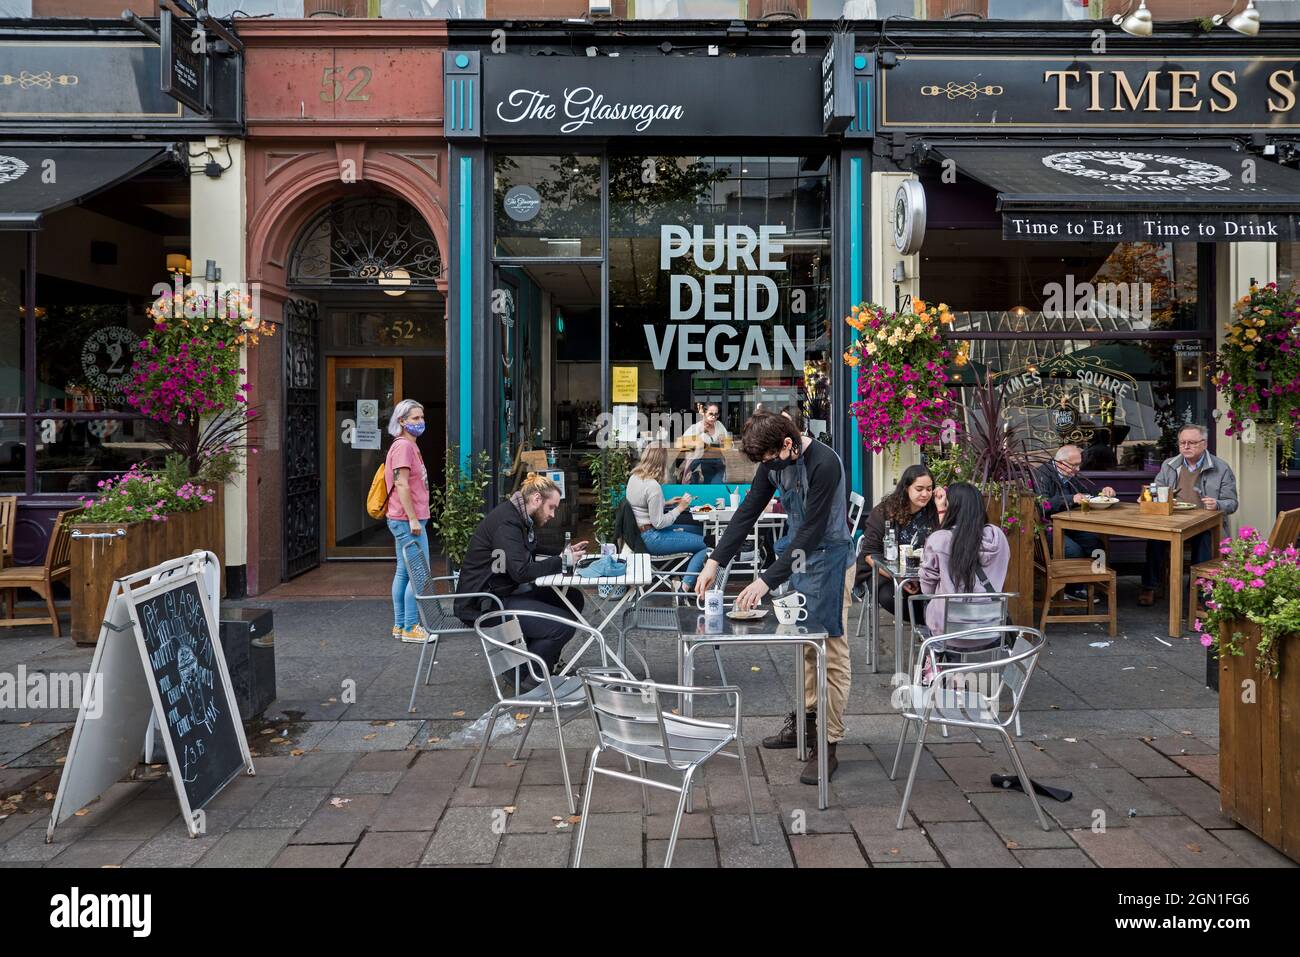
[1158,559]
[405,614]
[668,541]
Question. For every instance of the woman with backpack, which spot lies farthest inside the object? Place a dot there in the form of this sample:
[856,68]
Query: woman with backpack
[408,511]
[966,554]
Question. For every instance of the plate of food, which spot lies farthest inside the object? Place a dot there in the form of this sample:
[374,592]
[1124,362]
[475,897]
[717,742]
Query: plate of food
[1102,501]
[1184,506]
[754,614]
[702,508]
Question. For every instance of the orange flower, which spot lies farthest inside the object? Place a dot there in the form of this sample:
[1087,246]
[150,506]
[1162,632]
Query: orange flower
[945,318]
[918,305]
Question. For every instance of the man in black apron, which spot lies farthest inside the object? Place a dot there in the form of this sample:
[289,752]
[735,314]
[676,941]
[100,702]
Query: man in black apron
[818,550]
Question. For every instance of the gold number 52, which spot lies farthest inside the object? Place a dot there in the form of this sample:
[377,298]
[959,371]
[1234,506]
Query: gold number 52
[359,75]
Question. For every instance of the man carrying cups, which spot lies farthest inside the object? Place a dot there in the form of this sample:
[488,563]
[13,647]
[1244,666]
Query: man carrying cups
[1198,478]
[811,479]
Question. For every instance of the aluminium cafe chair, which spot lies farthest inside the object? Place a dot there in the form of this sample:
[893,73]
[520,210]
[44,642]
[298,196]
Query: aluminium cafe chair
[658,612]
[970,696]
[505,650]
[631,720]
[437,611]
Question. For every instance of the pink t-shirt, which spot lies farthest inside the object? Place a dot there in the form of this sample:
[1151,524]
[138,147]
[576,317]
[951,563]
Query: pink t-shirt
[405,454]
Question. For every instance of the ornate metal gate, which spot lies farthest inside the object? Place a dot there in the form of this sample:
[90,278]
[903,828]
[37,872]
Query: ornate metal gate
[302,438]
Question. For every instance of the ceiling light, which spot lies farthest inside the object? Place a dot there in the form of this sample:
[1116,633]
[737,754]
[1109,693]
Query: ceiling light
[1137,23]
[398,278]
[1246,23]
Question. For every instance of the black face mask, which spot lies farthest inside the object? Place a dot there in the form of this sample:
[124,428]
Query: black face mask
[778,463]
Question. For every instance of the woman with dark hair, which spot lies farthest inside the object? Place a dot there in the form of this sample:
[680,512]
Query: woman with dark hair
[910,509]
[967,554]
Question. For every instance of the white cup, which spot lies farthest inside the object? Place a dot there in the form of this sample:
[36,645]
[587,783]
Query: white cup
[787,615]
[720,503]
[792,600]
[713,605]
[1162,493]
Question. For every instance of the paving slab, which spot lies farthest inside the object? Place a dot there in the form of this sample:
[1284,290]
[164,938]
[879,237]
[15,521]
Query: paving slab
[934,801]
[285,806]
[390,849]
[315,855]
[29,845]
[466,835]
[1175,745]
[688,853]
[340,820]
[1251,849]
[367,736]
[736,847]
[1057,857]
[1123,792]
[970,844]
[1194,798]
[613,840]
[1204,766]
[800,814]
[827,850]
[369,782]
[96,854]
[247,847]
[414,805]
[1186,843]
[1011,815]
[535,850]
[1119,847]
[174,847]
[1138,758]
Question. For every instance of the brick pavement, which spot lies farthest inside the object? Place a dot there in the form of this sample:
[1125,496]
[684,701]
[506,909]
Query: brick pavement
[1125,723]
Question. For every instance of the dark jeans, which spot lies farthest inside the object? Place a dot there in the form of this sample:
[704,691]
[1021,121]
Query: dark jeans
[887,593]
[711,471]
[1081,544]
[1158,559]
[545,638]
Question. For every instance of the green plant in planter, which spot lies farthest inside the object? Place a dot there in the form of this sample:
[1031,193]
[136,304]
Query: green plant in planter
[456,507]
[610,469]
[1256,583]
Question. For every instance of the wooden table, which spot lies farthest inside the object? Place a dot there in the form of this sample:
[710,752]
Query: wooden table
[1124,519]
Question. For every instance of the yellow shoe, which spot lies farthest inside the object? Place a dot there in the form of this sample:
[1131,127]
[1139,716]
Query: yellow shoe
[415,635]
[397,631]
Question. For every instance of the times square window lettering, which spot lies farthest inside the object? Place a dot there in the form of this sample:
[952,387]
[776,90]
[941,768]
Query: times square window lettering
[724,301]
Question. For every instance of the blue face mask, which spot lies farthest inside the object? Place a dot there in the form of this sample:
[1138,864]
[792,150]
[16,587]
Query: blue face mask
[415,428]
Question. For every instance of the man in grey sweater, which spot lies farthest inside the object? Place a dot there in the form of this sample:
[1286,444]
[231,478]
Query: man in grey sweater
[1197,478]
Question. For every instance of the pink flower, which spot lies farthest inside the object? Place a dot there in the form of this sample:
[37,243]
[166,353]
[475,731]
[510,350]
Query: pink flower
[1206,640]
[1261,549]
[1246,532]
[1197,624]
[1257,583]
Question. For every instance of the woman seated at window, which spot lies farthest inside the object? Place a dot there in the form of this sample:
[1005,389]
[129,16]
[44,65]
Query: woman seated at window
[661,529]
[910,509]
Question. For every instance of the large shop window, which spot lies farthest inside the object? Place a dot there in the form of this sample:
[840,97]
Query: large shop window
[719,297]
[1099,345]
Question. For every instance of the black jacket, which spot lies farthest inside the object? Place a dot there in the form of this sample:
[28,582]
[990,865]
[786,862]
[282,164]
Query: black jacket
[1056,491]
[503,540]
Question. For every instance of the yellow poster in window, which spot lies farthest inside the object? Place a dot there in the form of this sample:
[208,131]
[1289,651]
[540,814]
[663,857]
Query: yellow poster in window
[624,384]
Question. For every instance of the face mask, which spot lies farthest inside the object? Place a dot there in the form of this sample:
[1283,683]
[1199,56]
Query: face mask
[778,463]
[415,428]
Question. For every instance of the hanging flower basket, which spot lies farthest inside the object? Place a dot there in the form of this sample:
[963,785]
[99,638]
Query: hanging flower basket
[903,397]
[1257,369]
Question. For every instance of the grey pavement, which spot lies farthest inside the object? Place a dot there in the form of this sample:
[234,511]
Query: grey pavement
[346,777]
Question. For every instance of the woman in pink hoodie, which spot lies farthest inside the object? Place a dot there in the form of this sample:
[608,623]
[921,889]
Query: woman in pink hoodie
[966,554]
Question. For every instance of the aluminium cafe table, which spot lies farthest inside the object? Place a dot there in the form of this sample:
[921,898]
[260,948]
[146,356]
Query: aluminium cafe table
[636,576]
[1125,519]
[694,631]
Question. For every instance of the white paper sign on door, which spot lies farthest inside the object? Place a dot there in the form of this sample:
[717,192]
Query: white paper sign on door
[365,437]
[368,413]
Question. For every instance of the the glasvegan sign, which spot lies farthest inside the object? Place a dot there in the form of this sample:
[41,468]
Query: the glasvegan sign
[652,96]
[1110,92]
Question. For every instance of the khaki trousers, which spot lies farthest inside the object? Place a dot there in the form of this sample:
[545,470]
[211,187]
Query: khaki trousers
[839,672]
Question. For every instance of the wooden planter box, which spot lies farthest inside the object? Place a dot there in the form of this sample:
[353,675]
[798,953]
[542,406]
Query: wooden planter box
[1259,743]
[1020,573]
[98,562]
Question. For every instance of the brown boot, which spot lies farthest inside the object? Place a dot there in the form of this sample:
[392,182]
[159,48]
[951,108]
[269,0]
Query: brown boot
[1147,597]
[809,775]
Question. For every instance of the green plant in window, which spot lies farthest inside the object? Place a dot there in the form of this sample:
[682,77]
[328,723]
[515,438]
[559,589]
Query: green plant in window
[610,469]
[456,507]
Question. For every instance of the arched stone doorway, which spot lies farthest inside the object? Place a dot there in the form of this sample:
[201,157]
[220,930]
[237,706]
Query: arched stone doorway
[355,274]
[363,280]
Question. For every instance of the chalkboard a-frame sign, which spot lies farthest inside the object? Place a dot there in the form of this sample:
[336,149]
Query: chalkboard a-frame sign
[158,655]
[191,693]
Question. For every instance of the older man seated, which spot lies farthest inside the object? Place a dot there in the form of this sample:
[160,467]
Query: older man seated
[1198,478]
[1059,484]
